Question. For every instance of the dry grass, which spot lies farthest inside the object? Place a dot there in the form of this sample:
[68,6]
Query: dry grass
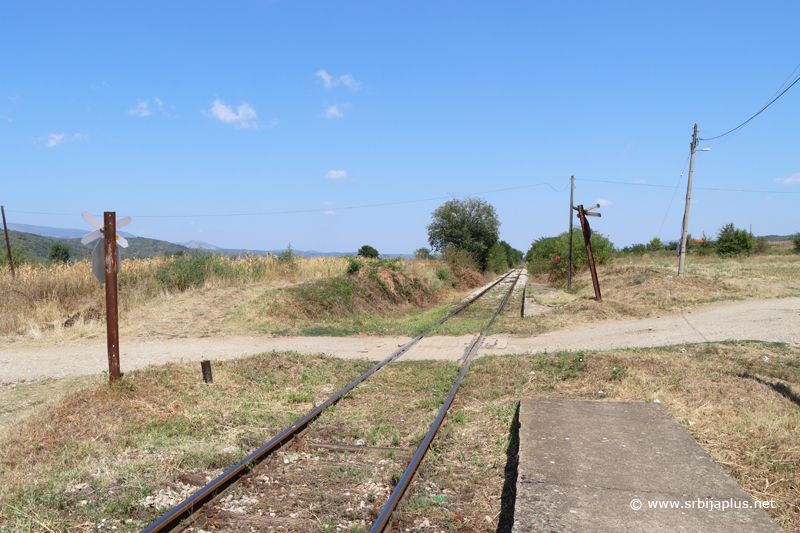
[41,299]
[98,453]
[635,287]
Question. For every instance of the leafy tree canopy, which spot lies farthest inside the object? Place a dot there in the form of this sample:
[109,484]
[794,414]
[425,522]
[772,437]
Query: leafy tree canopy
[468,224]
[368,252]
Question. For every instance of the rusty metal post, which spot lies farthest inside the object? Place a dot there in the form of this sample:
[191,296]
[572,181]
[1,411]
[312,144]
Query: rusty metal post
[112,314]
[206,366]
[587,236]
[8,243]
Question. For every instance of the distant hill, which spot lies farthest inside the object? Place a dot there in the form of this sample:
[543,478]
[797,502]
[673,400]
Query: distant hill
[38,248]
[777,238]
[59,233]
[199,244]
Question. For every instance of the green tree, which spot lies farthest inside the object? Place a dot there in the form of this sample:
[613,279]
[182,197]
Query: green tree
[422,253]
[655,245]
[368,252]
[59,253]
[469,224]
[796,242]
[733,241]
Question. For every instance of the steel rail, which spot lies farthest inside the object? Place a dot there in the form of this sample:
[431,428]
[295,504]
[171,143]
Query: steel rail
[194,502]
[386,513]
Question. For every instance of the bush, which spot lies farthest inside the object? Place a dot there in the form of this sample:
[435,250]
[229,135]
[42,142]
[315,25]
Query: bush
[59,253]
[654,245]
[422,253]
[796,242]
[705,245]
[498,259]
[353,265]
[733,241]
[368,251]
[287,257]
[638,249]
[186,271]
[762,246]
[544,252]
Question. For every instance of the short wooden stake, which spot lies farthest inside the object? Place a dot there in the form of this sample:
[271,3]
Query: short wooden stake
[206,366]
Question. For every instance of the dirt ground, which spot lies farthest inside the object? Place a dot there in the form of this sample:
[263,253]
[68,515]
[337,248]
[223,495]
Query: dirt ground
[774,320]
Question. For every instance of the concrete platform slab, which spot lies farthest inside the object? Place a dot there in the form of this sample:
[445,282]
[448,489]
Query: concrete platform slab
[598,466]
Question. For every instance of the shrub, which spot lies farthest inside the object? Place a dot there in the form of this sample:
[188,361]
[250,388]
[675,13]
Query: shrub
[353,265]
[287,257]
[762,246]
[422,253]
[59,253]
[796,242]
[654,245]
[498,259]
[543,253]
[368,252]
[705,245]
[638,249]
[733,241]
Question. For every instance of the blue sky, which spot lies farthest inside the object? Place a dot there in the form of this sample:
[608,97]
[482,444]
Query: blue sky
[155,109]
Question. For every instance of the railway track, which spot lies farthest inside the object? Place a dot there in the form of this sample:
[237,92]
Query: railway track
[210,505]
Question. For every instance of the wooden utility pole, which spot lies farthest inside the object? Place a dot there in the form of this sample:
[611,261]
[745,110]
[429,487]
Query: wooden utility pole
[8,243]
[685,230]
[587,237]
[569,262]
[112,314]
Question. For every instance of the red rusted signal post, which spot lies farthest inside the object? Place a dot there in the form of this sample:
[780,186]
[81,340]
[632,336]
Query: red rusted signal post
[587,237]
[105,265]
[112,312]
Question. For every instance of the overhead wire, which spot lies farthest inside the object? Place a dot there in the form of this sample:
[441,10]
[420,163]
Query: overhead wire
[680,179]
[320,210]
[693,188]
[772,101]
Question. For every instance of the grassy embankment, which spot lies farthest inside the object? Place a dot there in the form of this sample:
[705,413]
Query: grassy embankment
[91,452]
[277,294]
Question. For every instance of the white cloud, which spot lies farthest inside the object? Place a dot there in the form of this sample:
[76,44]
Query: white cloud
[333,112]
[640,181]
[329,212]
[54,139]
[243,118]
[3,117]
[604,203]
[329,81]
[336,174]
[326,78]
[140,109]
[792,180]
[769,198]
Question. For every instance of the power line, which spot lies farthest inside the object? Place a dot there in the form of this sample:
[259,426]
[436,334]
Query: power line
[322,210]
[740,126]
[700,188]
[673,196]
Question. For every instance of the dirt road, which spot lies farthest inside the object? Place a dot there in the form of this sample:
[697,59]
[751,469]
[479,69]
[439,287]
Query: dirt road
[765,320]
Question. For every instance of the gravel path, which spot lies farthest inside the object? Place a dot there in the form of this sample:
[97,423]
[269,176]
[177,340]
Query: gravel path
[765,320]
